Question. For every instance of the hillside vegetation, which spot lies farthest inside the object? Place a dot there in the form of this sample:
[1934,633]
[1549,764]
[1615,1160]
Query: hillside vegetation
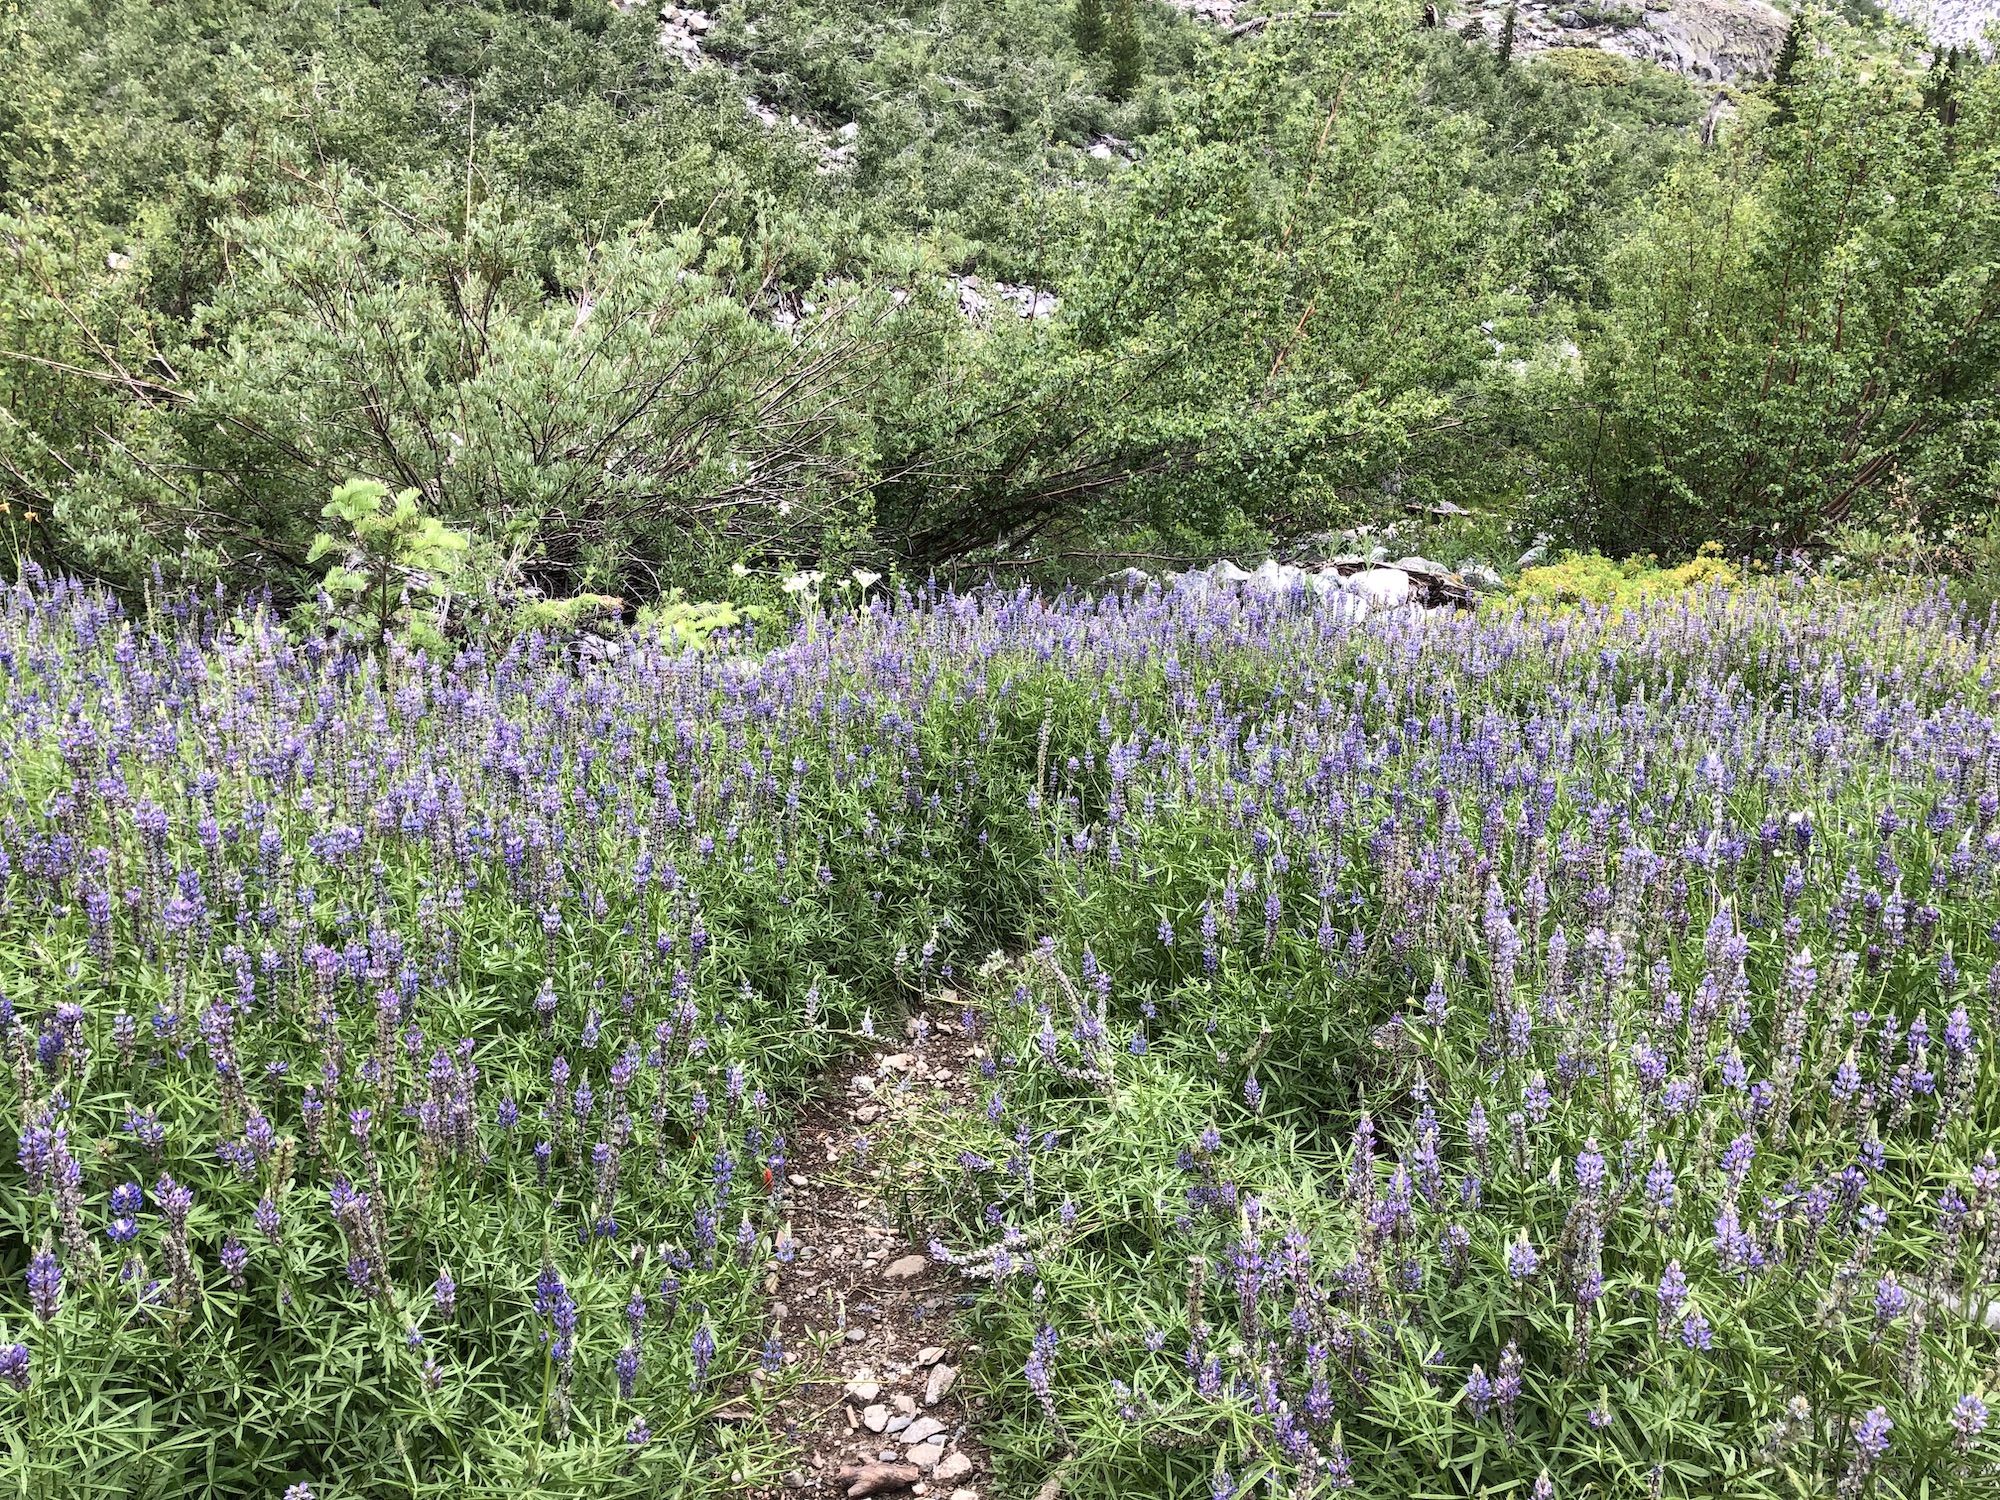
[628,324]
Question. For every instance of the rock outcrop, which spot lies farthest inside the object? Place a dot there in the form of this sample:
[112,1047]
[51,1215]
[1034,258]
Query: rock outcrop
[1951,23]
[1709,41]
[1349,586]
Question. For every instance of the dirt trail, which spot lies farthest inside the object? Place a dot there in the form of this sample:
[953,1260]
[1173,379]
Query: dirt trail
[880,1410]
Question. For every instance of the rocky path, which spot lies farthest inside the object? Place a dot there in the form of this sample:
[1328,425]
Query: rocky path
[880,1410]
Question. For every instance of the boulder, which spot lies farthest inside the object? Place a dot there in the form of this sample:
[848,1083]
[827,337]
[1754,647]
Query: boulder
[1383,588]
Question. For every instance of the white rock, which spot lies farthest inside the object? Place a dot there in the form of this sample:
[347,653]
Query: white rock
[953,1466]
[905,1268]
[875,1418]
[939,1385]
[1383,588]
[922,1430]
[930,1355]
[1275,578]
[925,1455]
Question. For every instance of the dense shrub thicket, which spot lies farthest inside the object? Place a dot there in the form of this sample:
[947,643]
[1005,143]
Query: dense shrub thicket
[594,311]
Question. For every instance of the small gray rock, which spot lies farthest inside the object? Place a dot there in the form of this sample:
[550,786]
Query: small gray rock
[939,1385]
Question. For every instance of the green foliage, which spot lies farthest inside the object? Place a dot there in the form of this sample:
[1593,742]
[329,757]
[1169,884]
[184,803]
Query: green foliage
[1612,16]
[391,563]
[1587,67]
[565,616]
[624,333]
[1799,333]
[1785,66]
[683,623]
[1586,578]
[1124,51]
[1087,26]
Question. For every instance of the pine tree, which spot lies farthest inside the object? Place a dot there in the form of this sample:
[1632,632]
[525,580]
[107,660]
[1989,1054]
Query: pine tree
[1941,87]
[1785,69]
[1507,38]
[1087,26]
[1123,50]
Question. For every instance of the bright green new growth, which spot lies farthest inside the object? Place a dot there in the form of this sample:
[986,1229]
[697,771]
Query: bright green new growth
[392,561]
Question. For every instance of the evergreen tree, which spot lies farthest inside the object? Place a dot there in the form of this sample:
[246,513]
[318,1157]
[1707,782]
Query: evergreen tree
[1123,50]
[1507,38]
[1087,26]
[1941,87]
[1785,68]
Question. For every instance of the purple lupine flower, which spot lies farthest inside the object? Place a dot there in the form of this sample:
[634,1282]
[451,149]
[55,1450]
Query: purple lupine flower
[444,1292]
[14,1365]
[45,1279]
[1478,1392]
[1436,1006]
[1522,1261]
[1891,1301]
[1695,1330]
[1661,1189]
[1507,1386]
[1590,1168]
[628,1370]
[1871,1435]
[126,1201]
[1968,1420]
[1036,1370]
[702,1348]
[1671,1295]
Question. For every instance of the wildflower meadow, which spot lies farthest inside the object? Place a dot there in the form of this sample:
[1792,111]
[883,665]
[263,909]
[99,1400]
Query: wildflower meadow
[1533,1051]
